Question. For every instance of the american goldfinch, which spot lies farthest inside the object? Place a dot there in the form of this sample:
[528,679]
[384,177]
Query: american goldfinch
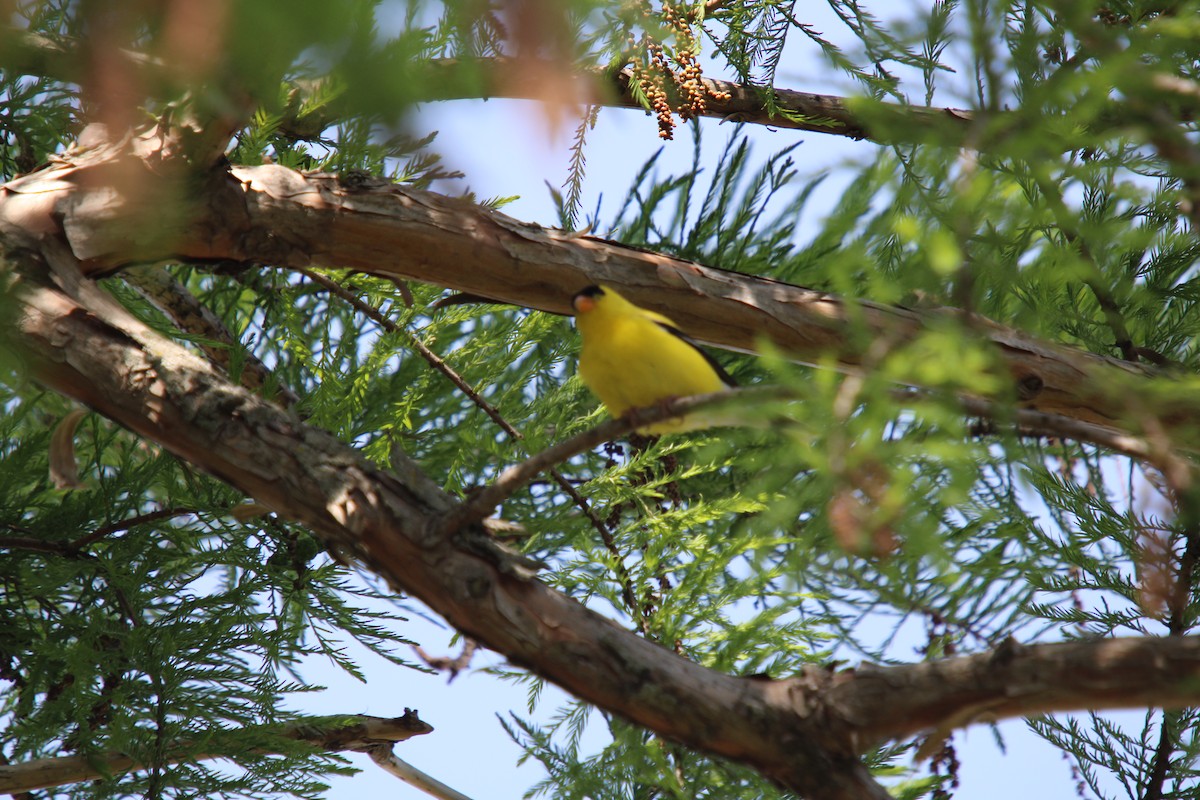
[633,358]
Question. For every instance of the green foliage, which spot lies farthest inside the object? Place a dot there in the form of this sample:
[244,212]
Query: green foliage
[37,114]
[138,617]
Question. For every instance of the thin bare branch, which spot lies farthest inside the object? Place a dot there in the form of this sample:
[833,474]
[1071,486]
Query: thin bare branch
[75,547]
[735,102]
[125,524]
[507,77]
[31,543]
[517,476]
[333,733]
[433,359]
[385,757]
[1027,422]
[1179,471]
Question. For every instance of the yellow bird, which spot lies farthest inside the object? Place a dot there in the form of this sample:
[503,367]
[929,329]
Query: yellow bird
[633,358]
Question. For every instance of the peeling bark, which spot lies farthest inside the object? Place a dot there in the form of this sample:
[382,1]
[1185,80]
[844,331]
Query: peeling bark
[274,215]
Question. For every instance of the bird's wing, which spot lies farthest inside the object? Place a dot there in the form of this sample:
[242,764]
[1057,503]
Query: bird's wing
[670,328]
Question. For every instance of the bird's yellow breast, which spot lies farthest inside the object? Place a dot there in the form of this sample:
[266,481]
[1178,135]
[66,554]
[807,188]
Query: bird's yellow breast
[630,361]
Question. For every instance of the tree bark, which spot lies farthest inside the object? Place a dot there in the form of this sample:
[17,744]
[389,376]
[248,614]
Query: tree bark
[274,215]
[90,349]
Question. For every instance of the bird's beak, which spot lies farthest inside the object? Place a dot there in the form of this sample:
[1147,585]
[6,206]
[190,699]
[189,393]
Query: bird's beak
[582,303]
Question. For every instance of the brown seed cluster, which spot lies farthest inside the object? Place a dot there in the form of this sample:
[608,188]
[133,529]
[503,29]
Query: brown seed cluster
[672,79]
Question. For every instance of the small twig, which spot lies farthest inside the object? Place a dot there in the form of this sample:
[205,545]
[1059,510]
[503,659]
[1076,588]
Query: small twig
[454,665]
[1184,584]
[432,358]
[126,524]
[34,544]
[512,479]
[75,548]
[515,477]
[384,757]
[38,55]
[1029,422]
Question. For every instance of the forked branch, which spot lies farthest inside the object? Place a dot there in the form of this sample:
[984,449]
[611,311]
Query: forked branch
[806,732]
